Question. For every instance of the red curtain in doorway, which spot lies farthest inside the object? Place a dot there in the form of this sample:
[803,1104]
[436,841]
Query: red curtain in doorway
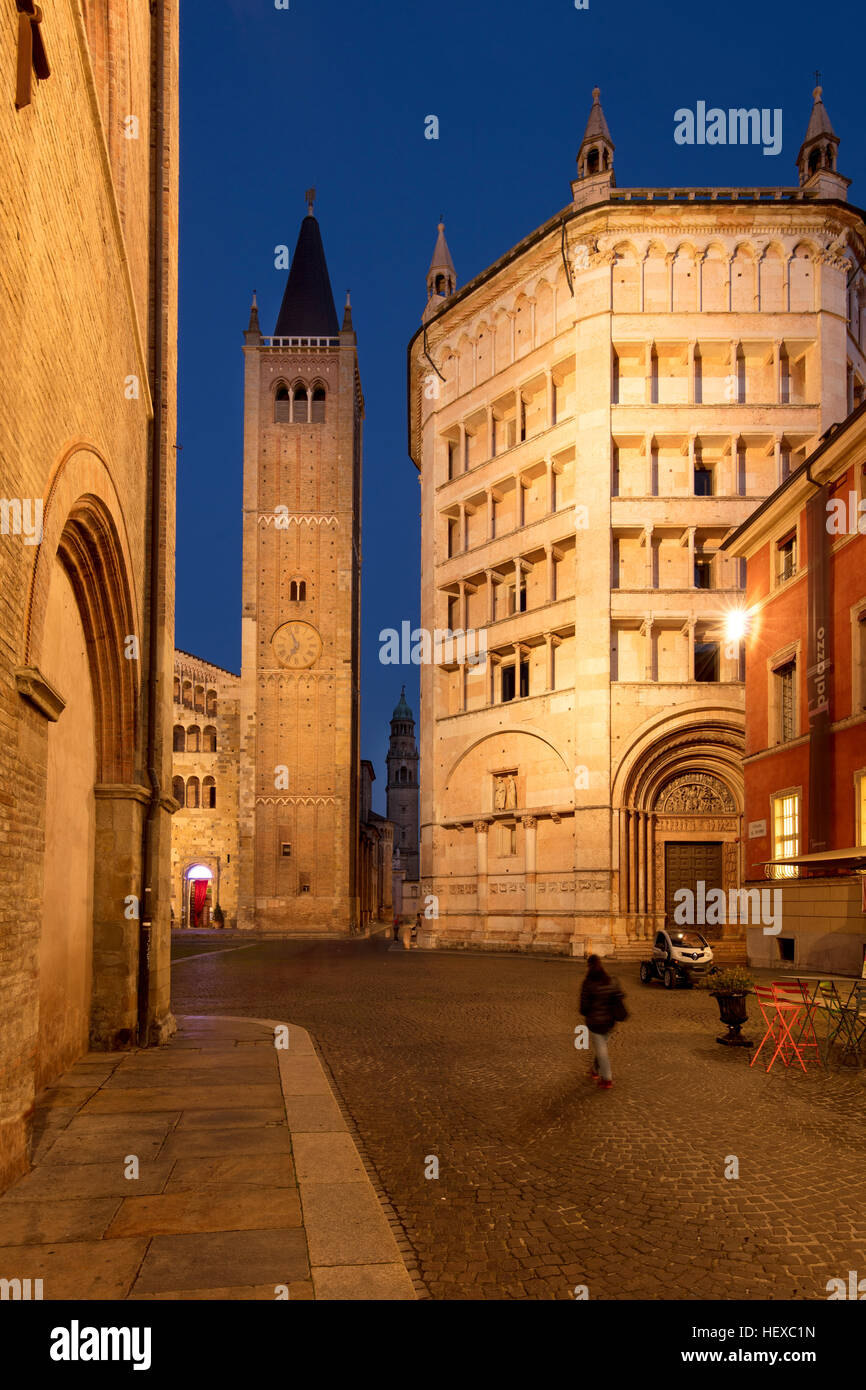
[198,901]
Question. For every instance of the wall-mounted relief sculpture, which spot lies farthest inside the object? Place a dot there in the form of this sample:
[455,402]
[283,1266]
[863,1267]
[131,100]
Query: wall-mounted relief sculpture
[505,791]
[696,793]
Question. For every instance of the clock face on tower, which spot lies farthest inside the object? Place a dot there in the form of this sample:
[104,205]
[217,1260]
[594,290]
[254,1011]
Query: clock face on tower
[297,644]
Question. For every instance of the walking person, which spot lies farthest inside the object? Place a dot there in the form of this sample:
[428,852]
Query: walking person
[602,1005]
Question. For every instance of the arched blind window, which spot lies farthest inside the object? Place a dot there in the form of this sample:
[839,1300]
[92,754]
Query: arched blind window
[281,406]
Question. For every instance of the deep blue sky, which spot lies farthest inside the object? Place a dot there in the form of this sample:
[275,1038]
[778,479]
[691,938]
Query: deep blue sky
[335,95]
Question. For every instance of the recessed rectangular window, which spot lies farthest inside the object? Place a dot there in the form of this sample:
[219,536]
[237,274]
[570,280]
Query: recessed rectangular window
[785,680]
[786,948]
[286,851]
[706,661]
[786,558]
[703,482]
[786,832]
[507,839]
[860,807]
[508,683]
[703,573]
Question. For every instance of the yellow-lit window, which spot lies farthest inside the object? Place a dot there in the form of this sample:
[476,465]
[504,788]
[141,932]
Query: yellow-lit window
[786,832]
[860,806]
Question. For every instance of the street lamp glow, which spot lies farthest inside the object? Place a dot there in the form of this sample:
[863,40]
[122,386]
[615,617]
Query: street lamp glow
[735,625]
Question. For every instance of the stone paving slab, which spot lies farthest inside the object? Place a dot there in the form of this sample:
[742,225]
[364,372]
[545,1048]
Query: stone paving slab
[213,1206]
[174,1263]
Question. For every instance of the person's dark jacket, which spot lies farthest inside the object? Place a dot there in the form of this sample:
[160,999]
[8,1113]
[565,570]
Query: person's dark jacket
[596,1003]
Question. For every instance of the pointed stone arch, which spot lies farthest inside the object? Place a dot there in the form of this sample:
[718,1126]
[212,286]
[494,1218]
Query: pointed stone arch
[84,640]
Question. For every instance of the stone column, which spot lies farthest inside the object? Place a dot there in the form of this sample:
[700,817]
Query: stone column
[623,862]
[491,596]
[550,555]
[691,371]
[530,863]
[648,371]
[650,865]
[493,663]
[647,634]
[463,447]
[490,514]
[551,485]
[642,898]
[481,828]
[551,397]
[490,439]
[777,373]
[632,861]
[648,542]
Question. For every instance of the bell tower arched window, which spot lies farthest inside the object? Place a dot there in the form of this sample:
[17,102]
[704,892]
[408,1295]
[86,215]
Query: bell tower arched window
[299,405]
[282,406]
[318,408]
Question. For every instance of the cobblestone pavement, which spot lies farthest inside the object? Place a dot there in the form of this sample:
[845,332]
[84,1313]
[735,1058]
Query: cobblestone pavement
[545,1182]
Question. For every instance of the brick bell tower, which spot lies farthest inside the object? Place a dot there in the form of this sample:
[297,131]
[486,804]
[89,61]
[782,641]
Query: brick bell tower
[300,677]
[403,788]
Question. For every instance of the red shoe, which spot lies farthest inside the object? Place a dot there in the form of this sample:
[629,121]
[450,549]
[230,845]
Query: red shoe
[604,1085]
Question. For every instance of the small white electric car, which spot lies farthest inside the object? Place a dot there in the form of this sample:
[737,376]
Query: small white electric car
[679,954]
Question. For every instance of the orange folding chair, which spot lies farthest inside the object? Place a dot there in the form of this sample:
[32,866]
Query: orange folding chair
[778,1017]
[796,993]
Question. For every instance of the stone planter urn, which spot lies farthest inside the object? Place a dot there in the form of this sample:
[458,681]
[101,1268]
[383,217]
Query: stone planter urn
[732,1010]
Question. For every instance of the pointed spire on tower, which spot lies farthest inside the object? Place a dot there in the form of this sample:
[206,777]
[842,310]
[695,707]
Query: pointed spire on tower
[253,332]
[348,328]
[441,277]
[307,310]
[816,161]
[595,157]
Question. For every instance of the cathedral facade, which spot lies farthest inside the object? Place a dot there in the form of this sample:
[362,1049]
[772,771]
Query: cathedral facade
[205,772]
[590,417]
[88,314]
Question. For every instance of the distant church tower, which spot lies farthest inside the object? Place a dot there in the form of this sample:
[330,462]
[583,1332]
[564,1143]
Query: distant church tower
[300,767]
[403,788]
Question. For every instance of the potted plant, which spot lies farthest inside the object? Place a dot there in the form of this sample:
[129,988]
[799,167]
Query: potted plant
[729,987]
[218,918]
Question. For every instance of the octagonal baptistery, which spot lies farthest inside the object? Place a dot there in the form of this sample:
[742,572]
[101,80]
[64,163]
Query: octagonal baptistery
[590,417]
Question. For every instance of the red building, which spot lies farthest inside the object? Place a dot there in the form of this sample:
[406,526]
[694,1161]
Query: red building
[805,763]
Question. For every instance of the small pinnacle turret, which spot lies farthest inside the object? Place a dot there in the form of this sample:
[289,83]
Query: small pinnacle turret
[441,277]
[816,161]
[253,333]
[595,176]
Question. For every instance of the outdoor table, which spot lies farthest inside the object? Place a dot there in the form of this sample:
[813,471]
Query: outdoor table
[817,1001]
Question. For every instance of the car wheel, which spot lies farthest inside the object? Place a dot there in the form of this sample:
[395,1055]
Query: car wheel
[645,973]
[670,979]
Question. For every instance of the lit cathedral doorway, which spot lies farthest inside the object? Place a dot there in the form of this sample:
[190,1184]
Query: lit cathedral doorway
[688,863]
[198,896]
